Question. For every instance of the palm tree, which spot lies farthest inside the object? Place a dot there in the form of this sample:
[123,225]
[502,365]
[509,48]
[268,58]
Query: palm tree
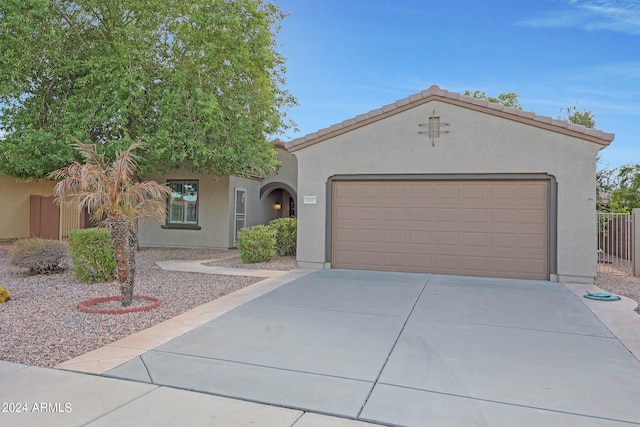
[115,198]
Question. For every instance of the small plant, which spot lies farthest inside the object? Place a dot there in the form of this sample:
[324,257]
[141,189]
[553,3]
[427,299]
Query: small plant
[257,243]
[92,255]
[5,295]
[39,256]
[286,235]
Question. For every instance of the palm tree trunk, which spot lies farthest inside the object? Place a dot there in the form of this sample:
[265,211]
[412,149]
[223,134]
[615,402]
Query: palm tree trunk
[124,239]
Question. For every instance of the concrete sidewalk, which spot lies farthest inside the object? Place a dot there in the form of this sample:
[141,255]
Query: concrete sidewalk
[388,348]
[32,396]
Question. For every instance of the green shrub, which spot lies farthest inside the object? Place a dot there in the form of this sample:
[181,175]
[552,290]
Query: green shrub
[92,255]
[257,243]
[286,235]
[39,255]
[5,295]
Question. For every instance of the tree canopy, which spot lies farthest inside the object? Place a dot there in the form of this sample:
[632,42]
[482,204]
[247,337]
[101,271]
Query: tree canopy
[508,99]
[621,188]
[200,83]
[572,115]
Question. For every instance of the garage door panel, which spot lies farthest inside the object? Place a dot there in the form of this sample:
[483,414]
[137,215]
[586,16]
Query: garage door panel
[395,236]
[368,192]
[345,235]
[532,192]
[504,265]
[419,214]
[394,214]
[504,240]
[475,239]
[419,261]
[447,238]
[475,215]
[369,213]
[420,237]
[532,216]
[447,215]
[346,212]
[477,192]
[532,241]
[446,262]
[345,257]
[370,236]
[392,260]
[447,191]
[503,216]
[393,191]
[474,263]
[486,228]
[346,192]
[504,192]
[421,192]
[369,258]
[531,266]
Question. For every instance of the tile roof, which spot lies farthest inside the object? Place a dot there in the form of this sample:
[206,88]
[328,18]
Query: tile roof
[435,93]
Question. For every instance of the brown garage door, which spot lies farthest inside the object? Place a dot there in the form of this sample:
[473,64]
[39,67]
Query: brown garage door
[480,228]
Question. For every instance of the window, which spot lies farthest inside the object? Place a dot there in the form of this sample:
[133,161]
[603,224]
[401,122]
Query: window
[183,204]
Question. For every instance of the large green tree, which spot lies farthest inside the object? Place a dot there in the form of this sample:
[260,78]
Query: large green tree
[199,82]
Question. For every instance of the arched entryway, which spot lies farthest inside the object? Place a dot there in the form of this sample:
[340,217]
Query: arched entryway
[279,200]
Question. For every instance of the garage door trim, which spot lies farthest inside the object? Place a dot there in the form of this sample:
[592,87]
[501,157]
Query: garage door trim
[552,199]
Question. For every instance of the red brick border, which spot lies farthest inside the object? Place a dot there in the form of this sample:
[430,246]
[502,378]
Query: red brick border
[87,306]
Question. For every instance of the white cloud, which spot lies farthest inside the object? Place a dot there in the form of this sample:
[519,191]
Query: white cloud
[621,16]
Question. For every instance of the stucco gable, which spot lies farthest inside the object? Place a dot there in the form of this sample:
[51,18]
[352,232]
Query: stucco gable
[434,93]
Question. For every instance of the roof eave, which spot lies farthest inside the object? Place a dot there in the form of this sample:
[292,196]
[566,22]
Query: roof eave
[434,93]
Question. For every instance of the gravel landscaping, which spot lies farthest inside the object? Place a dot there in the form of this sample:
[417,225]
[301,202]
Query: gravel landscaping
[279,263]
[620,285]
[615,276]
[43,326]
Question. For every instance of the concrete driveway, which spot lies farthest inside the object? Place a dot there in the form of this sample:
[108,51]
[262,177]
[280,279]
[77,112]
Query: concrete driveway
[410,349]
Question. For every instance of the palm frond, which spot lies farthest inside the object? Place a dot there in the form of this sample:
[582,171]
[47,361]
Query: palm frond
[110,191]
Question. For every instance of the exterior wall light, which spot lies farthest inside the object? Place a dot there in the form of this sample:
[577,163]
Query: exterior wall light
[277,205]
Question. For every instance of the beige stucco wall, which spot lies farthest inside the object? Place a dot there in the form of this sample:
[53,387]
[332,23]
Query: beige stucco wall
[477,143]
[216,212]
[213,216]
[288,170]
[15,212]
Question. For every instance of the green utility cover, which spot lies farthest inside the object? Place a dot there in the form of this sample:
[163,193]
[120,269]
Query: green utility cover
[602,296]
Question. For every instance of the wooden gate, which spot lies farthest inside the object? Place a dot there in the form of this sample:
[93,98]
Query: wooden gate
[45,217]
[50,221]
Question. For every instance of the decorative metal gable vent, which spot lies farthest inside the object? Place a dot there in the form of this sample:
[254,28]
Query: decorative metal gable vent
[434,128]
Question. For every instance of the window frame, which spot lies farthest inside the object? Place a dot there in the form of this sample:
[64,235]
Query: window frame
[183,225]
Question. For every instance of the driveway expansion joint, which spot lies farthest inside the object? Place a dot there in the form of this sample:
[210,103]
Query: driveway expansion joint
[395,343]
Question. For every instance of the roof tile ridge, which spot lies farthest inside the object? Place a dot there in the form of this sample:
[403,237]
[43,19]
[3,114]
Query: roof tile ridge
[526,114]
[481,102]
[543,119]
[560,123]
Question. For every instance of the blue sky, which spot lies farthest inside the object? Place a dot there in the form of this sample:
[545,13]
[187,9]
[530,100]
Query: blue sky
[347,57]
